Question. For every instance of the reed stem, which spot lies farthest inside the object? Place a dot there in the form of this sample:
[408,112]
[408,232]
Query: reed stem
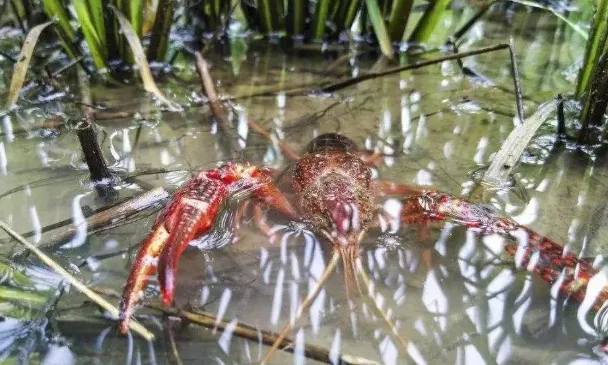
[427,24]
[160,31]
[397,23]
[98,169]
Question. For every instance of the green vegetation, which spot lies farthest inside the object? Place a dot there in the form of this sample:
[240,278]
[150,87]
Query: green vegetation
[592,85]
[110,34]
[18,294]
[327,20]
[382,20]
[101,31]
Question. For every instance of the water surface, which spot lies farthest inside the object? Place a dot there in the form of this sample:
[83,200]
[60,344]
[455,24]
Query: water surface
[455,297]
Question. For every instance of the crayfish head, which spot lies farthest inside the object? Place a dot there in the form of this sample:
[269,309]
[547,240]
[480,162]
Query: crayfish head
[341,211]
[334,191]
[345,232]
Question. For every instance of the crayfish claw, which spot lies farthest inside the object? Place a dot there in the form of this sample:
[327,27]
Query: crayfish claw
[193,218]
[143,266]
[189,216]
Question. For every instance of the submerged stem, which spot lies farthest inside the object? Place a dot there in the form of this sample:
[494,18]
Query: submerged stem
[251,333]
[100,174]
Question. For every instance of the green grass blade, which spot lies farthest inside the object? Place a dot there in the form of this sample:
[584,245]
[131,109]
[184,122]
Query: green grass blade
[123,49]
[140,59]
[386,6]
[136,12]
[98,52]
[334,8]
[321,13]
[265,16]
[54,9]
[596,99]
[278,13]
[593,77]
[12,276]
[351,13]
[96,9]
[373,11]
[23,62]
[341,15]
[398,19]
[21,296]
[217,10]
[297,12]
[363,20]
[270,14]
[431,17]
[595,45]
[207,16]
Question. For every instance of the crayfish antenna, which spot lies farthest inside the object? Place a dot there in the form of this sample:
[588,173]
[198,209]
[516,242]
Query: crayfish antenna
[305,304]
[349,257]
[372,298]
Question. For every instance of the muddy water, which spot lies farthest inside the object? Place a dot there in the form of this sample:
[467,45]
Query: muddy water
[454,298]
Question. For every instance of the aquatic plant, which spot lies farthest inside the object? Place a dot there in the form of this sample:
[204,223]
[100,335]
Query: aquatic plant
[100,29]
[592,83]
[384,21]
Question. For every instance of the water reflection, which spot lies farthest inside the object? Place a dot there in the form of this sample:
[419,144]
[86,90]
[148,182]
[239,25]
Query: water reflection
[3,160]
[59,355]
[80,224]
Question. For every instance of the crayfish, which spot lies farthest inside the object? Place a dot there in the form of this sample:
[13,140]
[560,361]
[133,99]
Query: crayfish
[334,193]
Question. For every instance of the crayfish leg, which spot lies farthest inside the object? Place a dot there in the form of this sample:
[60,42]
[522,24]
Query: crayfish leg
[386,188]
[270,195]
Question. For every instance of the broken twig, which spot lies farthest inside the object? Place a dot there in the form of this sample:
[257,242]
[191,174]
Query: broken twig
[314,352]
[251,333]
[334,86]
[101,219]
[215,104]
[87,136]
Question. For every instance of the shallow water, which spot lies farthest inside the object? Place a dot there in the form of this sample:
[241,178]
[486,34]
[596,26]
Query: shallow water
[455,298]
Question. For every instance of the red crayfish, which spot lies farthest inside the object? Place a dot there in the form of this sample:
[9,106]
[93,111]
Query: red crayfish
[335,194]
